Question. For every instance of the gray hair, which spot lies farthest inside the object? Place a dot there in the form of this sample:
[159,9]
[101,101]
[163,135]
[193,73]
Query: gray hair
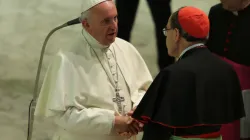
[84,15]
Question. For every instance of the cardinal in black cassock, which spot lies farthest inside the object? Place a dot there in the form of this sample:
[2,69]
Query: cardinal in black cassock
[195,96]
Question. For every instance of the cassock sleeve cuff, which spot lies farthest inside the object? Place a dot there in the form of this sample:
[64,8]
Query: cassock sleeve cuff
[111,119]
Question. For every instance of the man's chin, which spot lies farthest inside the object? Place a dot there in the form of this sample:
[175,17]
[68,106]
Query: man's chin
[111,40]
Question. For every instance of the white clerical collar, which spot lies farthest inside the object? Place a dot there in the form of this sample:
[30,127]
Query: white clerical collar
[235,13]
[92,41]
[189,48]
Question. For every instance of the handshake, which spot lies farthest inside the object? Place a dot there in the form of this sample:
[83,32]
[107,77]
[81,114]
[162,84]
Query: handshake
[127,126]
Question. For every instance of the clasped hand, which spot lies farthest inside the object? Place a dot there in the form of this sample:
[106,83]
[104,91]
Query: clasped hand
[127,126]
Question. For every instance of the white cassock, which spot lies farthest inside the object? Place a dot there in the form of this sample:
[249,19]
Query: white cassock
[79,88]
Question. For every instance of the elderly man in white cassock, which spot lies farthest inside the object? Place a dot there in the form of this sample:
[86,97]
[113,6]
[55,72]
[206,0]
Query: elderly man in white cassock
[91,90]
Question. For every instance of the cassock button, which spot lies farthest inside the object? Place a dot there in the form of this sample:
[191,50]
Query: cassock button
[229,33]
[225,49]
[227,41]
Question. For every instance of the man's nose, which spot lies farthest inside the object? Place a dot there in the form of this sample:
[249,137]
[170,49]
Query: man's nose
[113,25]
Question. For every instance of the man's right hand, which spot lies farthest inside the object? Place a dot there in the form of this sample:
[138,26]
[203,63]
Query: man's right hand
[121,123]
[126,124]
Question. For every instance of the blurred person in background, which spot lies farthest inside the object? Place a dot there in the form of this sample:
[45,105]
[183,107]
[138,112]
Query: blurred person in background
[229,38]
[160,10]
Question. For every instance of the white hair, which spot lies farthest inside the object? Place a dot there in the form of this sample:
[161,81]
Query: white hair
[84,15]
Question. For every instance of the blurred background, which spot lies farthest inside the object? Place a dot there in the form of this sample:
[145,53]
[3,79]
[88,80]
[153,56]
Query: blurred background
[24,25]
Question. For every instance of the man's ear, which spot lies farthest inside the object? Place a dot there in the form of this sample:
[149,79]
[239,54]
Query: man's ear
[177,35]
[85,24]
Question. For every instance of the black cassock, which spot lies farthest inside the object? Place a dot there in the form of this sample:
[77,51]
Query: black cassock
[229,38]
[229,34]
[191,97]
